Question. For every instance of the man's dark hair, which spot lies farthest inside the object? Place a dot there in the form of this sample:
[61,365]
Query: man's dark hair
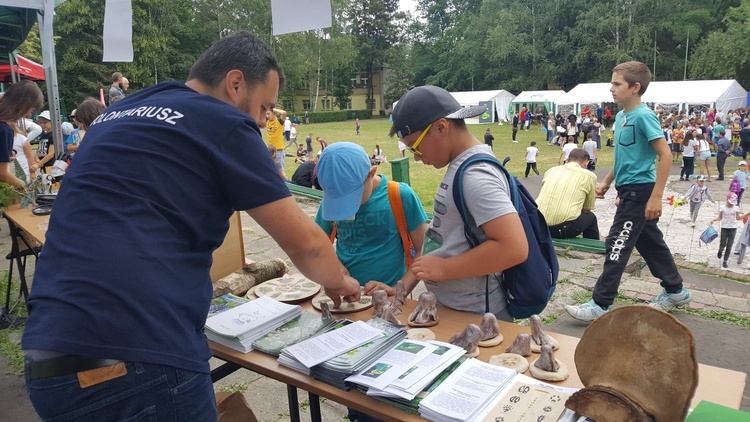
[116,77]
[242,51]
[578,155]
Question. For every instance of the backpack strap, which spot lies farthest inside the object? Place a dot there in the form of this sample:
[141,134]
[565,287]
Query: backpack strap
[397,207]
[458,199]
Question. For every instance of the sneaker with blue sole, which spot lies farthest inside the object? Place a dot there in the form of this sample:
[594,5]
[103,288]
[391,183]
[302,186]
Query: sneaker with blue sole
[668,301]
[587,312]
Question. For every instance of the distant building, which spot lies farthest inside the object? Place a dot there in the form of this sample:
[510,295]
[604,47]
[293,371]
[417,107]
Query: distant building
[304,99]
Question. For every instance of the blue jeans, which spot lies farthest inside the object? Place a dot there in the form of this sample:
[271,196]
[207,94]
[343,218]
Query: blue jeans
[147,393]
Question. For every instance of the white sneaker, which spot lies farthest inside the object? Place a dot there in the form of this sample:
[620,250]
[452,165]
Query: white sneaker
[515,142]
[588,311]
[668,301]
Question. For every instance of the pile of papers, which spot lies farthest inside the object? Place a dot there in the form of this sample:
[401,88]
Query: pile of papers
[238,327]
[406,377]
[307,325]
[463,395]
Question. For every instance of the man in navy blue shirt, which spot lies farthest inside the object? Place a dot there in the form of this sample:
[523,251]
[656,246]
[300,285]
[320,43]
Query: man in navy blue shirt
[122,289]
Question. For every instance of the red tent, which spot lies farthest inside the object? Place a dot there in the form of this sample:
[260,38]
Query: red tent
[25,68]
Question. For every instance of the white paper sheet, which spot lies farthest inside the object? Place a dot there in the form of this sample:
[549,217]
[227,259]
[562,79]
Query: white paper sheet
[118,31]
[300,15]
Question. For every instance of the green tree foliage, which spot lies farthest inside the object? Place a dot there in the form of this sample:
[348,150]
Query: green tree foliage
[724,53]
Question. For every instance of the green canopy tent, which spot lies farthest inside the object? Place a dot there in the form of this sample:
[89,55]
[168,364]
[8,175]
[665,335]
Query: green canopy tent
[16,19]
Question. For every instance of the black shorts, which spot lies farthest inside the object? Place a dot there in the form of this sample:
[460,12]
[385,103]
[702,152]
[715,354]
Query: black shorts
[676,147]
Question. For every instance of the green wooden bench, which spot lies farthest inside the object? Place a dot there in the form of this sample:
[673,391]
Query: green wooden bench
[304,191]
[581,244]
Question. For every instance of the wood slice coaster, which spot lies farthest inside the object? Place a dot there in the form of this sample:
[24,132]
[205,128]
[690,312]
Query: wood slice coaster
[365,302]
[251,293]
[290,288]
[426,324]
[510,360]
[538,349]
[421,334]
[491,342]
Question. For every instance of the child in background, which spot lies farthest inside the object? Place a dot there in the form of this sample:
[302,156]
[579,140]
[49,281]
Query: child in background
[531,153]
[678,135]
[729,214]
[741,175]
[308,141]
[301,156]
[697,195]
[689,146]
[590,146]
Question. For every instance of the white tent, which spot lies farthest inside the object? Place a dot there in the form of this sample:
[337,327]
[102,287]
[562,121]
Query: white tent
[548,98]
[583,95]
[500,98]
[673,95]
[679,95]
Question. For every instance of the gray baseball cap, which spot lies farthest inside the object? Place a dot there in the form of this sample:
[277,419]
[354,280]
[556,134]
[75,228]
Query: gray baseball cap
[426,104]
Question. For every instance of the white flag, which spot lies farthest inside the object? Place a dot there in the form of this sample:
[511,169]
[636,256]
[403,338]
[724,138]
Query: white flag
[118,31]
[300,15]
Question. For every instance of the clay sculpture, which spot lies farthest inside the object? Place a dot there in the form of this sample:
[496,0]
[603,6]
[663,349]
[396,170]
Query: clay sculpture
[421,334]
[380,301]
[538,337]
[521,345]
[547,368]
[425,314]
[325,310]
[657,345]
[468,339]
[400,298]
[491,335]
[389,314]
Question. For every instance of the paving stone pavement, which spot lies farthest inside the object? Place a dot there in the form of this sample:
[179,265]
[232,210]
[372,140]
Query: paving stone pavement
[713,288]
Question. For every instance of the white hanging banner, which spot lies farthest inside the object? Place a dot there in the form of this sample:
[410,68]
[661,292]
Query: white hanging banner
[300,15]
[118,31]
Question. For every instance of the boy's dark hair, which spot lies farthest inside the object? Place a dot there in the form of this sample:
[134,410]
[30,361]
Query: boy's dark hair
[88,110]
[241,51]
[589,135]
[634,72]
[533,143]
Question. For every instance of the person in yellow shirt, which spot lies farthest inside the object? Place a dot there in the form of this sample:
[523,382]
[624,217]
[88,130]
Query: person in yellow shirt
[567,198]
[275,132]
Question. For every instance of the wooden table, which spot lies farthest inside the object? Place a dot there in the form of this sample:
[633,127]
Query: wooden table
[716,385]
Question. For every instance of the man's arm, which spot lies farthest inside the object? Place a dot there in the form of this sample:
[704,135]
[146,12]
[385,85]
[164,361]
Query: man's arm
[505,247]
[307,246]
[653,207]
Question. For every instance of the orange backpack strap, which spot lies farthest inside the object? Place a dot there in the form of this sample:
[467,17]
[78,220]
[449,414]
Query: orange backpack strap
[333,232]
[397,207]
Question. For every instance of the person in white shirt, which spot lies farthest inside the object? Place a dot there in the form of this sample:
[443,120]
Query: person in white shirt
[531,153]
[569,146]
[287,129]
[31,129]
[23,153]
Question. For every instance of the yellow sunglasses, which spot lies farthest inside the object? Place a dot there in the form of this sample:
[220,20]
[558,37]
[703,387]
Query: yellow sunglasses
[415,145]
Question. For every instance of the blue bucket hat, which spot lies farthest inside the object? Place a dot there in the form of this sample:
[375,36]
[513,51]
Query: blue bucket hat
[342,170]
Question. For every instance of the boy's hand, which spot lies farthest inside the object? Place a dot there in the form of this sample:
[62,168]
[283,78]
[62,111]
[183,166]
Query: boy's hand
[350,291]
[601,189]
[373,285]
[429,267]
[653,208]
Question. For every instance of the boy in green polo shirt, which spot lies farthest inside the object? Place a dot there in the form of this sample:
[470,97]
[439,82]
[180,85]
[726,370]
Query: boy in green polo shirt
[640,186]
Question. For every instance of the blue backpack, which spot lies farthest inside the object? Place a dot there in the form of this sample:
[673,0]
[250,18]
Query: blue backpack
[530,284]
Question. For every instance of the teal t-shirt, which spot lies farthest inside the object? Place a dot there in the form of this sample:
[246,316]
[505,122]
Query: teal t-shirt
[634,154]
[370,245]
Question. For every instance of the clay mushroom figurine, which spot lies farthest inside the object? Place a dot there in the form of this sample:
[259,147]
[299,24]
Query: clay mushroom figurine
[425,314]
[521,345]
[400,298]
[325,310]
[538,337]
[380,301]
[389,314]
[491,335]
[468,339]
[547,368]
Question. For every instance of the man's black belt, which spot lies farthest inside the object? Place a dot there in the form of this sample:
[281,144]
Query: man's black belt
[64,365]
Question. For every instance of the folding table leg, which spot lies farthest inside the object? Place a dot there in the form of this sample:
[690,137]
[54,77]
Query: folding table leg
[291,392]
[315,407]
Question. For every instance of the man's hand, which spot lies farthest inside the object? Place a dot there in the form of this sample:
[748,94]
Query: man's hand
[429,267]
[350,292]
[373,285]
[653,208]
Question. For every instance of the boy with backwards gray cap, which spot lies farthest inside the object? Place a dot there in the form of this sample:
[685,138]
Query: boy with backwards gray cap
[430,122]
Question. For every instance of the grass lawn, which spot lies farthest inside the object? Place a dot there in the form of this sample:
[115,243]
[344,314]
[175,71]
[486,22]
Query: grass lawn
[425,179]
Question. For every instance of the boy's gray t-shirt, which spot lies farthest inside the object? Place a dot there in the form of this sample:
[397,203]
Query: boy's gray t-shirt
[486,197]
